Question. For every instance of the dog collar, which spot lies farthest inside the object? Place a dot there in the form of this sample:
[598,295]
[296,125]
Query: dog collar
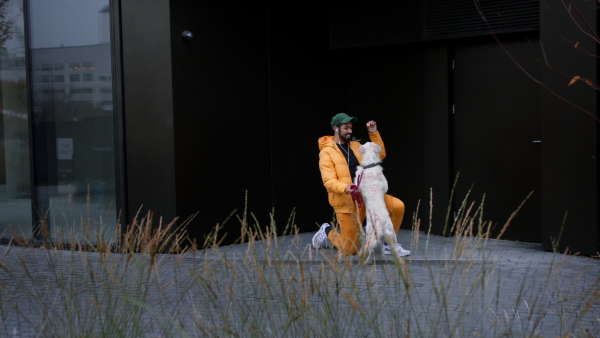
[371,165]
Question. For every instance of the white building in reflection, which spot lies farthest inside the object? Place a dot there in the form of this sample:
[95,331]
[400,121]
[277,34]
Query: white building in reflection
[79,74]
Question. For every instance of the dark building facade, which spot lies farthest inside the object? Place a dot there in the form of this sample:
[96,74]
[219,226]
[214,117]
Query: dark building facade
[210,109]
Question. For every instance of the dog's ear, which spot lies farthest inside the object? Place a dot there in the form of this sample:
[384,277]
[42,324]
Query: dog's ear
[377,146]
[362,149]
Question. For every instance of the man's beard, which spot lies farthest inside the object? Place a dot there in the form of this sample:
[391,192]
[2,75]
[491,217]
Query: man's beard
[347,137]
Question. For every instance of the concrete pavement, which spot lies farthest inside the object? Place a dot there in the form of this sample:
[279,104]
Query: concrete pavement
[448,286]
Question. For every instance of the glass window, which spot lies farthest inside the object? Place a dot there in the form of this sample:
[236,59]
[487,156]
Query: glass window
[73,145]
[15,182]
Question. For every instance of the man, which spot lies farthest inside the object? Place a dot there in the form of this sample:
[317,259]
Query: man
[338,159]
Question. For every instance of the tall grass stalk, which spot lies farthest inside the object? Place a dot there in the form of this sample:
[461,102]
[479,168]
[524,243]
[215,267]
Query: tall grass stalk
[154,281]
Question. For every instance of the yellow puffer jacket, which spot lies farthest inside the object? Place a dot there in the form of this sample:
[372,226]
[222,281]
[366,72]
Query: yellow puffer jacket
[335,172]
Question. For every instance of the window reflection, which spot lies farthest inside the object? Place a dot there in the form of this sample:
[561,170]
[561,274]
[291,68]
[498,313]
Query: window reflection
[15,182]
[72,116]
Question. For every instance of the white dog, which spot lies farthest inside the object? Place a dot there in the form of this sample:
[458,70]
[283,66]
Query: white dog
[372,185]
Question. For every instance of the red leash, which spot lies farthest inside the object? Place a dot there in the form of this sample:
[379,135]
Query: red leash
[356,196]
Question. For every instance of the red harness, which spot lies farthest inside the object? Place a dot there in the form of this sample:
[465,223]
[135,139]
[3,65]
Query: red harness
[356,196]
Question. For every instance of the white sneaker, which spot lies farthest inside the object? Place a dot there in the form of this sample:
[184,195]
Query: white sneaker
[319,240]
[386,250]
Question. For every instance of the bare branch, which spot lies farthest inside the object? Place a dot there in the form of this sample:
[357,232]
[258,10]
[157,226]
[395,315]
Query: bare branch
[533,78]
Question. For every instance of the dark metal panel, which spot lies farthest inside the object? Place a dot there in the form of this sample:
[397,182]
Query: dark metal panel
[375,23]
[436,138]
[221,113]
[497,124]
[119,119]
[36,234]
[387,22]
[570,149]
[465,18]
[306,88]
[148,106]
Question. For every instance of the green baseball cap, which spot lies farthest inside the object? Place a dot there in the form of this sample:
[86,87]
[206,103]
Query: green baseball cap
[342,118]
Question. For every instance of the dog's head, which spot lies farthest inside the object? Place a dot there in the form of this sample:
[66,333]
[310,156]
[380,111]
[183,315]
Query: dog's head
[370,153]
